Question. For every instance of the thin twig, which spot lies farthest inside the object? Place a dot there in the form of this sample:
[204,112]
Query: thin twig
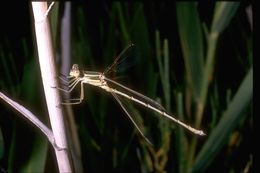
[31,117]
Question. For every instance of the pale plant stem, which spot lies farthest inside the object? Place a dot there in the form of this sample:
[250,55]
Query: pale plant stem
[49,80]
[31,117]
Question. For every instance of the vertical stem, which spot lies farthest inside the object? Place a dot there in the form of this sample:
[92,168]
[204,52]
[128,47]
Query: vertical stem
[122,20]
[208,73]
[163,63]
[207,76]
[181,141]
[49,80]
[166,85]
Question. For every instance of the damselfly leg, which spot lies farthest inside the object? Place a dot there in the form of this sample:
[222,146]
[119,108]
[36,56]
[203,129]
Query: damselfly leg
[72,83]
[75,100]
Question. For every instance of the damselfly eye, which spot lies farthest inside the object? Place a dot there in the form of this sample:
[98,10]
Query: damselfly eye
[75,67]
[75,70]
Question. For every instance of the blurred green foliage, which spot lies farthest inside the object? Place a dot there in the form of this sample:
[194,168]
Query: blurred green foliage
[194,58]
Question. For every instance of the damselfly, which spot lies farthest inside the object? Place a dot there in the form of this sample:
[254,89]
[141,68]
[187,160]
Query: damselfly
[100,80]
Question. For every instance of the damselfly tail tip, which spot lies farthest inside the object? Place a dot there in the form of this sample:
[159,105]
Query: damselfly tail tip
[201,133]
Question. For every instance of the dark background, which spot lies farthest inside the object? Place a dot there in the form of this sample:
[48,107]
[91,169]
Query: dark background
[20,79]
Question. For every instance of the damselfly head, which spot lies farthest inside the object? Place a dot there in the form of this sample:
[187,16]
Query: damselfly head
[74,72]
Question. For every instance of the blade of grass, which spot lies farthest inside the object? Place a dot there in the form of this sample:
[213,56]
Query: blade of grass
[224,11]
[181,140]
[164,126]
[191,38]
[140,36]
[36,162]
[208,70]
[54,17]
[230,119]
[123,23]
[9,71]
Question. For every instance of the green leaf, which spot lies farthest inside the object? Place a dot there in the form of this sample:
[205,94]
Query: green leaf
[191,38]
[181,140]
[122,23]
[37,159]
[230,119]
[224,12]
[54,20]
